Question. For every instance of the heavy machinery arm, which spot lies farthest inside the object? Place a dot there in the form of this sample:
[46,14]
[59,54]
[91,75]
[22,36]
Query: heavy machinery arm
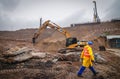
[71,42]
[51,25]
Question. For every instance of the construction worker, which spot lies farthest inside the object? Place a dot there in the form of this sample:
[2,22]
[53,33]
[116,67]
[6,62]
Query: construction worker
[87,59]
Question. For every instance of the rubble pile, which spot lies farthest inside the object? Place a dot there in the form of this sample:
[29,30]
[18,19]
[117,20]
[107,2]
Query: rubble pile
[15,55]
[43,65]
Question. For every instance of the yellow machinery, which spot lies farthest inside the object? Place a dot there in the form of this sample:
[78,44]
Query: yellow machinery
[71,42]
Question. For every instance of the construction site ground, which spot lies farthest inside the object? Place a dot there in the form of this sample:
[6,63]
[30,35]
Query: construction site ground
[64,68]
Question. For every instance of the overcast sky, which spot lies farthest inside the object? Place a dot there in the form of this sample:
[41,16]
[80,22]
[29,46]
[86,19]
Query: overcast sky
[20,14]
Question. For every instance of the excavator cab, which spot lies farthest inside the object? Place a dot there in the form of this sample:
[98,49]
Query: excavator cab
[71,41]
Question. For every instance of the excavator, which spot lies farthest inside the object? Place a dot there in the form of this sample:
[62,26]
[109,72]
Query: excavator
[71,42]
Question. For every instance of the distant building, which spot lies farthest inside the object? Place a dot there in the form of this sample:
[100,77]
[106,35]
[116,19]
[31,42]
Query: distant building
[113,41]
[115,20]
[81,24]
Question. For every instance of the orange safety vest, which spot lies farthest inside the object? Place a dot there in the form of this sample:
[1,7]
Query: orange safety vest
[86,52]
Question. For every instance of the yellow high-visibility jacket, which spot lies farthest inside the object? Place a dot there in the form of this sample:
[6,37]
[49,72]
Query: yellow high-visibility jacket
[87,56]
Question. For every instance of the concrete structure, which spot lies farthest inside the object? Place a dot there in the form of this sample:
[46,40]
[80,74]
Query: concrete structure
[113,41]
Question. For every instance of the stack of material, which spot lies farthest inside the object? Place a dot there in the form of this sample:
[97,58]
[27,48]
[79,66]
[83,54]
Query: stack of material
[16,55]
[72,56]
[99,58]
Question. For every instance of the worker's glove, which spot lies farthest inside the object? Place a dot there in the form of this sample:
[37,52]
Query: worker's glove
[92,61]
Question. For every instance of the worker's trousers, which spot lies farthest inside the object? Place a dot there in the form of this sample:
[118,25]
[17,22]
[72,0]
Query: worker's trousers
[83,68]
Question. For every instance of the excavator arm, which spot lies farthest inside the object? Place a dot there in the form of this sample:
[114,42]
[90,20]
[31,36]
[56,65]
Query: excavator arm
[71,42]
[46,24]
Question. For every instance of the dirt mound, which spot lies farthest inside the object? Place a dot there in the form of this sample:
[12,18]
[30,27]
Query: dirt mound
[52,40]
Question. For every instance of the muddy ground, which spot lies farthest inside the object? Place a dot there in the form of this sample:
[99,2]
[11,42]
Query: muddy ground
[64,68]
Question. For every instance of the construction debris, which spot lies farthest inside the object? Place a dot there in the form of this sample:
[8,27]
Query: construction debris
[99,59]
[17,54]
[16,51]
[73,56]
[38,54]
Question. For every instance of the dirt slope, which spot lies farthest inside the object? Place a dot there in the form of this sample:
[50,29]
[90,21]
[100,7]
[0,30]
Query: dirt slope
[50,38]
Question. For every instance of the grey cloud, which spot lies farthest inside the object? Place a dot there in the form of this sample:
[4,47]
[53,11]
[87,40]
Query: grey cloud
[9,5]
[113,12]
[19,14]
[6,7]
[74,18]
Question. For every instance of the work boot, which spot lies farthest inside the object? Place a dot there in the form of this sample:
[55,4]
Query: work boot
[96,73]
